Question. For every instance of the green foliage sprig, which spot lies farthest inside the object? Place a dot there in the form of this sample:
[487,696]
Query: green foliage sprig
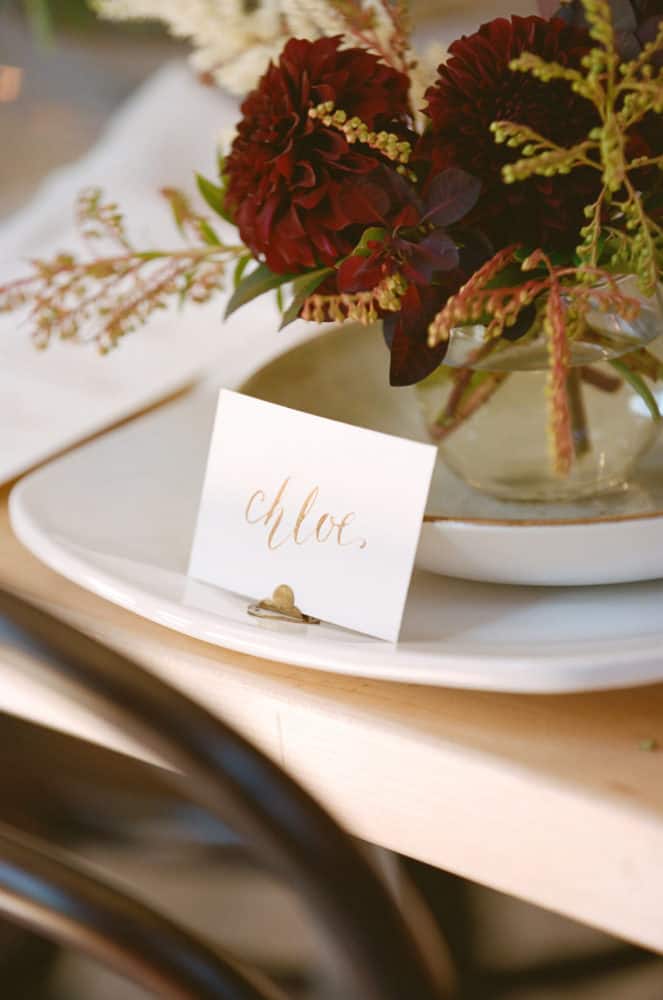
[621,231]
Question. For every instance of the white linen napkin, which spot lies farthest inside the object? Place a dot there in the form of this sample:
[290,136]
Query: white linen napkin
[49,400]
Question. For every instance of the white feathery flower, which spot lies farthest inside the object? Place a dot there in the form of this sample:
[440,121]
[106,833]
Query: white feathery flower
[240,74]
[221,31]
[311,18]
[234,40]
[423,75]
[300,19]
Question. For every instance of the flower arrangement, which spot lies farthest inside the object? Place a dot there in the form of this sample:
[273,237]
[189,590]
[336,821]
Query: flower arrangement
[530,187]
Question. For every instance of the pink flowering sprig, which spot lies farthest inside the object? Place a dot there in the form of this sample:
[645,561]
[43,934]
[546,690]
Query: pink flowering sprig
[482,299]
[560,435]
[108,294]
[476,299]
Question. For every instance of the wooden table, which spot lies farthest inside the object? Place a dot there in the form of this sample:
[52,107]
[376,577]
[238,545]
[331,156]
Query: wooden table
[555,799]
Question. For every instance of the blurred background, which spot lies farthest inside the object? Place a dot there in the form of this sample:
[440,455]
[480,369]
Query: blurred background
[63,74]
[72,72]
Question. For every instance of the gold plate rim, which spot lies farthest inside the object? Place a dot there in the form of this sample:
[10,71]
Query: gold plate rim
[552,522]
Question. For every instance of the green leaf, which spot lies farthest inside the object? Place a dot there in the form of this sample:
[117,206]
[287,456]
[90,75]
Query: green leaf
[256,283]
[374,234]
[438,376]
[184,290]
[240,268]
[279,298]
[179,206]
[510,276]
[638,383]
[212,193]
[151,254]
[302,287]
[214,196]
[208,234]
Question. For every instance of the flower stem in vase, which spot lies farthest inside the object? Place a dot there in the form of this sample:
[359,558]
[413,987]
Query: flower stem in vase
[578,413]
[465,399]
[600,380]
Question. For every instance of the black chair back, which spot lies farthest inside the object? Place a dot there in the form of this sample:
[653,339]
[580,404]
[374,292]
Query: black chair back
[384,955]
[41,891]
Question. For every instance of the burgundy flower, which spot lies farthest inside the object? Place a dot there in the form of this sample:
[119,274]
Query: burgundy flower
[476,87]
[300,193]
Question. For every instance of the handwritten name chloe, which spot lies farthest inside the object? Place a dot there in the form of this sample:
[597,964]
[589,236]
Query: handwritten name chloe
[307,527]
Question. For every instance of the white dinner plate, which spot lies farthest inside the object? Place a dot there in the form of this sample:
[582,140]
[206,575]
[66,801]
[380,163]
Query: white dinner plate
[117,516]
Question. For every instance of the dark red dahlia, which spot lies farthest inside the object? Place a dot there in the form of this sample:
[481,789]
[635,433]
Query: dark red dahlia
[476,87]
[300,193]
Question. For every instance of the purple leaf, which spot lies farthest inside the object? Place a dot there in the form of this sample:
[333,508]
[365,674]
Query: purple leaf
[436,252]
[406,333]
[451,196]
[412,360]
[440,247]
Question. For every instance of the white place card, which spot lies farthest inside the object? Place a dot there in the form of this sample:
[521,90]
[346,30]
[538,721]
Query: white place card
[331,510]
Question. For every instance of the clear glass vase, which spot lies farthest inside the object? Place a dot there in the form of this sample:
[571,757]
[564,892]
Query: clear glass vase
[497,440]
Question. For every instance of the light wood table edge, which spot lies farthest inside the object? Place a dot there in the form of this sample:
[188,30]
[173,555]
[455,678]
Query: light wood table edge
[550,799]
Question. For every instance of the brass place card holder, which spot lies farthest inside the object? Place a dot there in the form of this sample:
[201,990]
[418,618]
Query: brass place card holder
[281,605]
